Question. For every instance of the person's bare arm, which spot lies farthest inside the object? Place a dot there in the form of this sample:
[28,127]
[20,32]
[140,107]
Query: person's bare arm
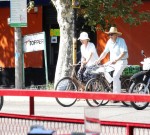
[102,56]
[119,58]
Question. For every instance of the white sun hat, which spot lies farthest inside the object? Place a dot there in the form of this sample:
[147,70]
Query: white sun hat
[83,36]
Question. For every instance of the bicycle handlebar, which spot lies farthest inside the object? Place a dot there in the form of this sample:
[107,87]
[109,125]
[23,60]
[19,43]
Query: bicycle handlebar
[74,65]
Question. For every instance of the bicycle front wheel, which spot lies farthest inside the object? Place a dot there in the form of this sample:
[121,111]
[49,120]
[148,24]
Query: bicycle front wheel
[139,88]
[66,84]
[1,102]
[95,85]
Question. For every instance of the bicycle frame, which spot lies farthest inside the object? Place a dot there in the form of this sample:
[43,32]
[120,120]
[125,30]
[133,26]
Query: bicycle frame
[75,78]
[147,86]
[104,72]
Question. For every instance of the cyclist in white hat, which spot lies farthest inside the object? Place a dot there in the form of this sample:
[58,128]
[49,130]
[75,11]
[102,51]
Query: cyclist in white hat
[88,56]
[117,48]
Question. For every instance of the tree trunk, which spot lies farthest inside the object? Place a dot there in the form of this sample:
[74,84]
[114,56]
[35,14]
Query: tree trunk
[65,21]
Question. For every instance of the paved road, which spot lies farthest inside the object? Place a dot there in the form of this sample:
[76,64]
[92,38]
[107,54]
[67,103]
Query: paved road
[49,107]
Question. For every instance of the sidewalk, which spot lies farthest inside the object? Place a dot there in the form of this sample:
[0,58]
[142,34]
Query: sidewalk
[24,98]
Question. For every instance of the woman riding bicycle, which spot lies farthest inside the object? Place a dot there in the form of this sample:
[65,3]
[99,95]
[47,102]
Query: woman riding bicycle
[88,57]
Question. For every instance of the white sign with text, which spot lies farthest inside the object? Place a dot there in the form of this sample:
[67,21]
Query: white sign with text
[18,13]
[34,42]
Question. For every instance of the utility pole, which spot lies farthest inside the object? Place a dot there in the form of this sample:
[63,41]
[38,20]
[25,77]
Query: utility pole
[18,58]
[75,5]
[74,36]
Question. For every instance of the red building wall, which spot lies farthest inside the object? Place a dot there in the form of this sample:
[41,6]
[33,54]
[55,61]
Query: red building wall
[34,59]
[137,38]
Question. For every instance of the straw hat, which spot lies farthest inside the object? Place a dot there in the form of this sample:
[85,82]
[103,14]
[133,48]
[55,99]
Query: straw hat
[114,30]
[83,36]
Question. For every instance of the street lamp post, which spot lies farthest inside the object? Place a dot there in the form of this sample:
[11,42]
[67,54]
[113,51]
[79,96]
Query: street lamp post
[75,5]
[74,37]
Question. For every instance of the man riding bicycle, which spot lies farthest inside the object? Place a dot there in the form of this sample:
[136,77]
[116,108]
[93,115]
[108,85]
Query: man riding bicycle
[117,48]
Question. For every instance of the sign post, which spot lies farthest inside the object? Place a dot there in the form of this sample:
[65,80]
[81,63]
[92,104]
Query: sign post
[18,59]
[18,18]
[36,42]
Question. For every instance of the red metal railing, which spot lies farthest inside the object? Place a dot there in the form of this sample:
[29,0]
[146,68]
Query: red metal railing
[70,94]
[65,125]
[129,126]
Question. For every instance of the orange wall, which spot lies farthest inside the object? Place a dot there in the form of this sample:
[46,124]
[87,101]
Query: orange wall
[137,38]
[34,59]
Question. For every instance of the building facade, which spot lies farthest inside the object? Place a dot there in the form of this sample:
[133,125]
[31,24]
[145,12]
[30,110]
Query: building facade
[44,18]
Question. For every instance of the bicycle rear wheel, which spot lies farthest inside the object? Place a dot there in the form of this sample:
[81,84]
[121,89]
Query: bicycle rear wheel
[95,85]
[66,84]
[125,89]
[1,102]
[139,88]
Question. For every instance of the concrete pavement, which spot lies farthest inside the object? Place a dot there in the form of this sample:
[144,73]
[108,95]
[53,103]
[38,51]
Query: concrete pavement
[110,112]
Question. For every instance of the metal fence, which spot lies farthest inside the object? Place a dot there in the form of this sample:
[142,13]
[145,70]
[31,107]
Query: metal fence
[11,126]
[15,124]
[21,124]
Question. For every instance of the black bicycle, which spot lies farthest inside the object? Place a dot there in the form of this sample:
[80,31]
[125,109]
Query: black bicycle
[101,84]
[1,97]
[1,102]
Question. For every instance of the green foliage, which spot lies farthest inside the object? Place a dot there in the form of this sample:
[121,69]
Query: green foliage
[104,12]
[50,86]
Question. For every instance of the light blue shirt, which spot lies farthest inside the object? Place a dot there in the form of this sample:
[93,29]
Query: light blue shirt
[116,48]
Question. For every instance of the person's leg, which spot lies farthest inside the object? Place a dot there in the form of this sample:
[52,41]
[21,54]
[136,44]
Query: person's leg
[86,74]
[80,73]
[116,78]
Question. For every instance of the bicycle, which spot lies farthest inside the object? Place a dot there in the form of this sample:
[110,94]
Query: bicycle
[101,84]
[1,102]
[70,83]
[1,97]
[140,83]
